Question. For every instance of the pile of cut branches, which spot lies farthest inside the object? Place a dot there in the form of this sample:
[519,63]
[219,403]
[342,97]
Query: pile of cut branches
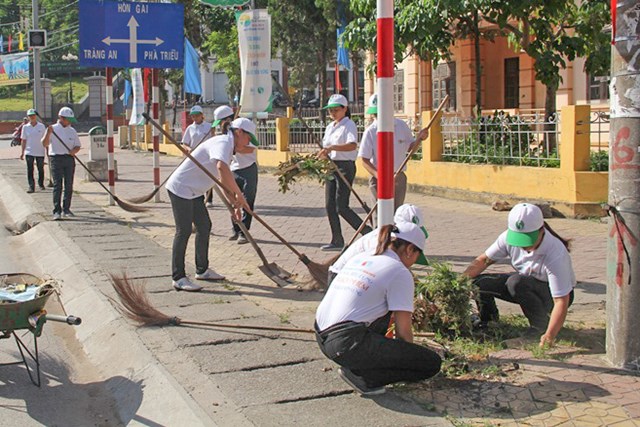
[443,301]
[303,166]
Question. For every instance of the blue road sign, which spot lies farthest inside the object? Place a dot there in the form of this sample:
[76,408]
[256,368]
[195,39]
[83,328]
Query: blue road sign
[136,35]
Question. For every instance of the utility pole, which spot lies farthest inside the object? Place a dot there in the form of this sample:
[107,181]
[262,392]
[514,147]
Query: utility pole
[623,256]
[37,87]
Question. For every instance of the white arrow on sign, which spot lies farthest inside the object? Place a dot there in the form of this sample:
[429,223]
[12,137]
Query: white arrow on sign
[132,40]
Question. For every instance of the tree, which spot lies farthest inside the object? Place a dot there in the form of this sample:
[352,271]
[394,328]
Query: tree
[554,31]
[223,44]
[305,38]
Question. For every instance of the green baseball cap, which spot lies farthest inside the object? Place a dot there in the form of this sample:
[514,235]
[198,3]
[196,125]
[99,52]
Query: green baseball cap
[524,224]
[31,112]
[337,100]
[373,104]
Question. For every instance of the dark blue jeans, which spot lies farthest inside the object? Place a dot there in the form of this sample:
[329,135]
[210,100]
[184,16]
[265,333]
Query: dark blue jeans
[247,180]
[337,195]
[40,165]
[62,169]
[185,213]
[533,296]
[377,359]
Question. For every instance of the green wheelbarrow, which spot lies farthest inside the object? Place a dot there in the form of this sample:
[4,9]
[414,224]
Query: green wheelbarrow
[28,315]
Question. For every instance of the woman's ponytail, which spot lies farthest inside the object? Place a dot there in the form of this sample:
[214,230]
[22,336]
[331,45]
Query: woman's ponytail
[565,242]
[225,126]
[384,238]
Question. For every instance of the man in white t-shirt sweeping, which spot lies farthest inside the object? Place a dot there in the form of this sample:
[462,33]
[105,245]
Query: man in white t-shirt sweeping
[544,279]
[31,138]
[62,157]
[186,189]
[403,142]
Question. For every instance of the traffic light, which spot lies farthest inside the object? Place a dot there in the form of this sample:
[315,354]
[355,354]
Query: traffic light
[37,38]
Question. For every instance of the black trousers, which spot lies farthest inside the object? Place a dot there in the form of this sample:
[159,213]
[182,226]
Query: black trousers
[40,165]
[377,359]
[185,213]
[247,180]
[336,202]
[533,296]
[63,168]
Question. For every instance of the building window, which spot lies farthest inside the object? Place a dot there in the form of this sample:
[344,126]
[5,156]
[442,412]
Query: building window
[398,91]
[511,82]
[444,83]
[598,88]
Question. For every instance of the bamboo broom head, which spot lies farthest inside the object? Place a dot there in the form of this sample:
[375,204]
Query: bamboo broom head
[135,304]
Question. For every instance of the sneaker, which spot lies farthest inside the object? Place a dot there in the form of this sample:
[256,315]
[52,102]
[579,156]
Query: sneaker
[358,384]
[242,239]
[57,216]
[41,187]
[30,190]
[185,284]
[209,274]
[67,214]
[234,236]
[331,247]
[209,204]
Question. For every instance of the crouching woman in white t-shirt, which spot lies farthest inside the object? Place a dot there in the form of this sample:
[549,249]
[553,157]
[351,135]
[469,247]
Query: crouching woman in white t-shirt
[352,319]
[544,279]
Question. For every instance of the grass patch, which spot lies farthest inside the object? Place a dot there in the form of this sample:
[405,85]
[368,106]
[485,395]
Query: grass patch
[285,318]
[20,97]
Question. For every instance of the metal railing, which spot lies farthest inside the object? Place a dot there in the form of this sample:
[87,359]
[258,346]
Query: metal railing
[266,134]
[503,139]
[599,129]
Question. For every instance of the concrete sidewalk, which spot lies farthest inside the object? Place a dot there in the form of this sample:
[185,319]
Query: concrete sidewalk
[270,379]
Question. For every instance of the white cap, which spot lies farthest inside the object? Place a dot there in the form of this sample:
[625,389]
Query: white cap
[373,104]
[248,126]
[337,100]
[67,113]
[411,233]
[196,109]
[525,222]
[220,113]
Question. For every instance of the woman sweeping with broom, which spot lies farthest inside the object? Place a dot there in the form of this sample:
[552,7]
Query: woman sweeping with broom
[353,317]
[186,189]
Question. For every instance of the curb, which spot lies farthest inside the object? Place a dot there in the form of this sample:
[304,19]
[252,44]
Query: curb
[125,356]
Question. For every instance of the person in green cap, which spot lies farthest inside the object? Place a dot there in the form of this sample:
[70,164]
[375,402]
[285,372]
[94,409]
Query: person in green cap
[197,131]
[544,279]
[222,117]
[31,138]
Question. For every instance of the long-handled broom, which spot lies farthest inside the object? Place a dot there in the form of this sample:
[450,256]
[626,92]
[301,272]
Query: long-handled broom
[317,271]
[333,259]
[125,205]
[135,305]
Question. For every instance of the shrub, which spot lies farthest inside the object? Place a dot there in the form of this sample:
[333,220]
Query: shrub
[599,161]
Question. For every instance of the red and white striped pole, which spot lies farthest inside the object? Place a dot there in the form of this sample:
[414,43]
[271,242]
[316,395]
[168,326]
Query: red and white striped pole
[385,72]
[155,99]
[110,160]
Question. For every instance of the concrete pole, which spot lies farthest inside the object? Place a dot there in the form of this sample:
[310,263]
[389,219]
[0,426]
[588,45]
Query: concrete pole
[623,257]
[385,53]
[37,87]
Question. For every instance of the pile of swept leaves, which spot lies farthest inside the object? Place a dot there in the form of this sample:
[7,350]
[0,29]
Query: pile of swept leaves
[443,301]
[303,166]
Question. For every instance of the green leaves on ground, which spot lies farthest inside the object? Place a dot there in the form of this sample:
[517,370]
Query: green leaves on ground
[303,166]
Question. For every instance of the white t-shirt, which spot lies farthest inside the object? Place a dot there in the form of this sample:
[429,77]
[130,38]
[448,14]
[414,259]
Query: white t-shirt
[367,288]
[68,135]
[344,132]
[189,181]
[402,139]
[33,135]
[364,245]
[244,160]
[194,133]
[550,262]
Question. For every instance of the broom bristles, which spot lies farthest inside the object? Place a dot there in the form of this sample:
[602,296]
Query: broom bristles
[319,273]
[144,199]
[135,304]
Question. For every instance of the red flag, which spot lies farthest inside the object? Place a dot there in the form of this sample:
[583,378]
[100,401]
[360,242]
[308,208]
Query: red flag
[338,84]
[145,83]
[10,42]
[614,6]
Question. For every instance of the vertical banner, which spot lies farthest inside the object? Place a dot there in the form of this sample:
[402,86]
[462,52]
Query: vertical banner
[14,69]
[254,39]
[138,97]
